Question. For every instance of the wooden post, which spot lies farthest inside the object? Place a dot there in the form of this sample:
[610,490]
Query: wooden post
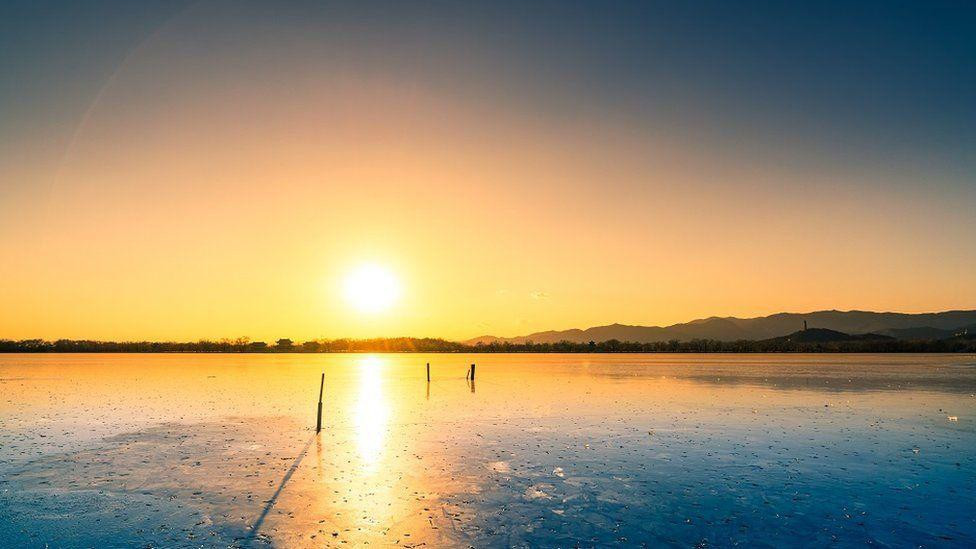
[428,372]
[472,372]
[318,422]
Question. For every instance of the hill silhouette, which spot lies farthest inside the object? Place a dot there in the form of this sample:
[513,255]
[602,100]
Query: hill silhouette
[823,335]
[941,325]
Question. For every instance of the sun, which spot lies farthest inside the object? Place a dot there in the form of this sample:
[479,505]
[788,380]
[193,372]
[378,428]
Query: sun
[371,288]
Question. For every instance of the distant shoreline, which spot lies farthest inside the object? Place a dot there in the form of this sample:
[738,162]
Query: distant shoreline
[803,352]
[430,345]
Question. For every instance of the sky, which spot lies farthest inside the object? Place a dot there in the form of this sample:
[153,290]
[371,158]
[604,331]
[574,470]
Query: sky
[186,170]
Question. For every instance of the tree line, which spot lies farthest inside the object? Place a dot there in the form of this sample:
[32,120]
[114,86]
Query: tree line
[434,345]
[238,345]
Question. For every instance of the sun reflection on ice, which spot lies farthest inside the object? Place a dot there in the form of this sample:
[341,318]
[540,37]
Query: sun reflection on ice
[372,412]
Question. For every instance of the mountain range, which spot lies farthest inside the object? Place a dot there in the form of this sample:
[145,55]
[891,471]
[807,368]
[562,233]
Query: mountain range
[896,325]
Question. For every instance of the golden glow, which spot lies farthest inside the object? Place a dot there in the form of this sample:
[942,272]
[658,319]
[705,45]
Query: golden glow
[371,288]
[211,207]
[372,412]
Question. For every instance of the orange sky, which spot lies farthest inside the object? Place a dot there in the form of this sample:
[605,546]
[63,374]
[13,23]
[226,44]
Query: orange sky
[227,193]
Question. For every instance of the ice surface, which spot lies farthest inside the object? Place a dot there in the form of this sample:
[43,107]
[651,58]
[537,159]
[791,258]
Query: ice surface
[546,450]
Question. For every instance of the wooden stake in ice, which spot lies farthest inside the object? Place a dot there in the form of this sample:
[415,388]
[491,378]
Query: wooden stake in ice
[428,372]
[472,372]
[318,422]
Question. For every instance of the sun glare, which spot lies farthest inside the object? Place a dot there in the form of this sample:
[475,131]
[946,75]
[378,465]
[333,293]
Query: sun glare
[371,288]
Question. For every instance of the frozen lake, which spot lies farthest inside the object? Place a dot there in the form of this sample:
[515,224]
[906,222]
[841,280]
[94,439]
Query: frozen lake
[186,450]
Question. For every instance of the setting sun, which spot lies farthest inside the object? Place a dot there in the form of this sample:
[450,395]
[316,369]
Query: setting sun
[371,288]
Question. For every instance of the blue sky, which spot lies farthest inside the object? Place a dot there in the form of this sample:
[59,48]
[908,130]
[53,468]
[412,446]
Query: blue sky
[829,143]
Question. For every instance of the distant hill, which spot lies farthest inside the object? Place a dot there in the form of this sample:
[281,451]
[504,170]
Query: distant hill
[928,332]
[823,335]
[897,325]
